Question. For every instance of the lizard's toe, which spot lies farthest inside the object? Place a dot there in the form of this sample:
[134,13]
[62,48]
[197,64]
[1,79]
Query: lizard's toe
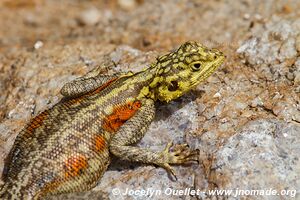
[181,154]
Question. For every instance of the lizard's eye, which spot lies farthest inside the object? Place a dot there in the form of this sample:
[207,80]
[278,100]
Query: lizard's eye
[196,66]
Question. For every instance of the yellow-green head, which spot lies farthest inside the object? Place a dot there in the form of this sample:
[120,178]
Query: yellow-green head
[180,71]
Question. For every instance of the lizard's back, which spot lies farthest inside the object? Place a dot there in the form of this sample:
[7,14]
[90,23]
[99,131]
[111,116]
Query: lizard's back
[65,148]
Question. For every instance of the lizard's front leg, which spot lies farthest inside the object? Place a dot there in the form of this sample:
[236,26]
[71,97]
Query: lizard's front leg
[134,129]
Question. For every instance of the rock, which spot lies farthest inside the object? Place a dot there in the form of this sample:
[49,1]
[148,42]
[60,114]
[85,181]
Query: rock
[38,44]
[127,4]
[89,17]
[276,41]
[272,51]
[263,155]
[298,42]
[288,49]
[297,78]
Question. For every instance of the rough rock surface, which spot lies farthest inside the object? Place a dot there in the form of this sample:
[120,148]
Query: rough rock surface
[273,52]
[244,119]
[264,154]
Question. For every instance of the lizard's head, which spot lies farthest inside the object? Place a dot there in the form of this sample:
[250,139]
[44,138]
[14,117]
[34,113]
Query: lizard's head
[180,71]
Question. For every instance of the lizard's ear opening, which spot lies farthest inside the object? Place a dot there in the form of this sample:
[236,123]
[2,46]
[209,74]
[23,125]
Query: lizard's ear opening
[169,91]
[173,86]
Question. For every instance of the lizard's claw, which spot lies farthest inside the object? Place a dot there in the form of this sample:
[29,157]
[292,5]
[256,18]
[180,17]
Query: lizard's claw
[181,154]
[169,169]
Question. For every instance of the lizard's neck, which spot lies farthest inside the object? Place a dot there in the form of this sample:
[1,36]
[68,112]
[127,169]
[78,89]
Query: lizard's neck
[150,78]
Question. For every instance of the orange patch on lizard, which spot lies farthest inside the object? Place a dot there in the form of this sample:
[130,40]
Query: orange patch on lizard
[120,115]
[36,122]
[74,165]
[100,143]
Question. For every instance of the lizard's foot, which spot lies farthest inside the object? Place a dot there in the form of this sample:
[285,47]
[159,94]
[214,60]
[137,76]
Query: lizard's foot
[181,154]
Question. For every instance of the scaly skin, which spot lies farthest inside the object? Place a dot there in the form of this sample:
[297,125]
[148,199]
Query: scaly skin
[67,148]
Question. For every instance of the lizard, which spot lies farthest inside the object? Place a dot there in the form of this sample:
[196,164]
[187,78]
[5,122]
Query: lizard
[67,148]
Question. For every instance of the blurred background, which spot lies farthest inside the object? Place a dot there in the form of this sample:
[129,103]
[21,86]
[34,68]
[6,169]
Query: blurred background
[141,24]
